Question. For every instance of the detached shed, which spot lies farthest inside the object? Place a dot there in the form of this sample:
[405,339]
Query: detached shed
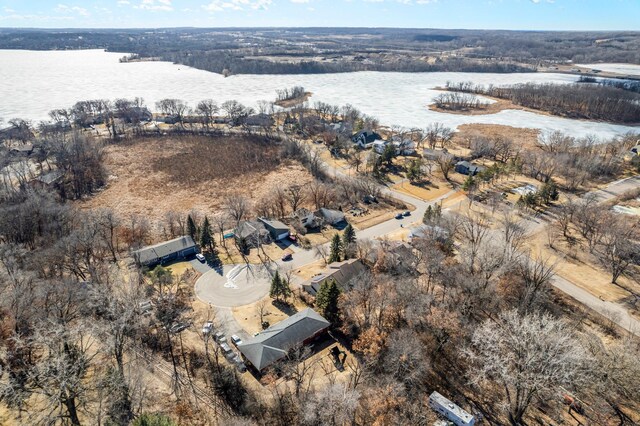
[178,248]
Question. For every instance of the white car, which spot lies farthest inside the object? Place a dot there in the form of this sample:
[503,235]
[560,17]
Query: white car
[225,348]
[201,257]
[207,327]
[236,340]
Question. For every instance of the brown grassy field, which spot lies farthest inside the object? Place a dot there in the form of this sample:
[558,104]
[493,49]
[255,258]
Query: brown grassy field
[152,177]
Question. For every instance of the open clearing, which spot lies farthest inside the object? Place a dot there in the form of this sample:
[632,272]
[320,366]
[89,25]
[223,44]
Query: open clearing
[151,177]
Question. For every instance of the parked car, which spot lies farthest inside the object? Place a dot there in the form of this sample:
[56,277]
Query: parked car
[236,340]
[239,363]
[399,216]
[407,213]
[207,327]
[225,348]
[219,336]
[286,257]
[178,327]
[146,306]
[201,257]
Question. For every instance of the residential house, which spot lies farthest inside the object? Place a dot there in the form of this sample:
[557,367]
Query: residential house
[339,128]
[341,272]
[259,120]
[274,343]
[49,180]
[379,146]
[436,232]
[467,168]
[277,230]
[176,249]
[308,219]
[365,138]
[404,146]
[332,217]
[251,233]
[435,154]
[451,411]
[22,149]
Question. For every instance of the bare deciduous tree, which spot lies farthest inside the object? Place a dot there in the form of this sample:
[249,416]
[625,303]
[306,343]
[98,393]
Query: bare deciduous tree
[526,356]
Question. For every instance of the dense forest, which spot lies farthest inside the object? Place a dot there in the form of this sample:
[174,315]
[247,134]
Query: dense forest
[324,50]
[603,101]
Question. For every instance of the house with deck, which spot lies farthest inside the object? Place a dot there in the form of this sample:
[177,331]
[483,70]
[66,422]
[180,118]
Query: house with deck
[273,344]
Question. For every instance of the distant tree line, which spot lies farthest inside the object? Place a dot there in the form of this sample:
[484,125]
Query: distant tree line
[630,85]
[602,102]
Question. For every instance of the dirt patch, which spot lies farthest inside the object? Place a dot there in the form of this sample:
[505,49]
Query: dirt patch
[151,177]
[426,193]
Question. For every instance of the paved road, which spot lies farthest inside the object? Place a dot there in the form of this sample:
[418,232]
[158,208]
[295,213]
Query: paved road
[613,311]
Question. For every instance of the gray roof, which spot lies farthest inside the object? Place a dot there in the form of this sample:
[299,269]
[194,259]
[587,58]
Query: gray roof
[50,177]
[273,343]
[155,252]
[341,272]
[331,216]
[274,224]
[249,229]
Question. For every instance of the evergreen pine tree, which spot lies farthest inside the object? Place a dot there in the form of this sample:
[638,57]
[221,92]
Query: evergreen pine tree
[279,287]
[276,285]
[206,237]
[428,215]
[191,228]
[336,249]
[327,300]
[349,235]
[348,241]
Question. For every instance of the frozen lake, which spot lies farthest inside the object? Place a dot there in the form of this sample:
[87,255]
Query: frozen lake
[34,82]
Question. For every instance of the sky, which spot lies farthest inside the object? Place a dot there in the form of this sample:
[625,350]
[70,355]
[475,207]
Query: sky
[471,14]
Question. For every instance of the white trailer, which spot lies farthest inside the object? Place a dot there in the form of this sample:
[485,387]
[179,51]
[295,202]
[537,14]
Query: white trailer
[451,411]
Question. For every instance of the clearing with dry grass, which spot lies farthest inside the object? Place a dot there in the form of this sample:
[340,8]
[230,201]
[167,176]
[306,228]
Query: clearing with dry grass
[154,176]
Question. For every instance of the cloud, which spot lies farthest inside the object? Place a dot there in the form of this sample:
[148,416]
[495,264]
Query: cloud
[221,5]
[63,8]
[299,1]
[123,2]
[161,5]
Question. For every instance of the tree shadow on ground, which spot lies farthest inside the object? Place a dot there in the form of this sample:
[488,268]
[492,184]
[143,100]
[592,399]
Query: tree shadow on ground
[285,307]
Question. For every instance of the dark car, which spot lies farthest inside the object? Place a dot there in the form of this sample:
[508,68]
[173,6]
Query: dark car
[399,216]
[178,327]
[407,213]
[287,257]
